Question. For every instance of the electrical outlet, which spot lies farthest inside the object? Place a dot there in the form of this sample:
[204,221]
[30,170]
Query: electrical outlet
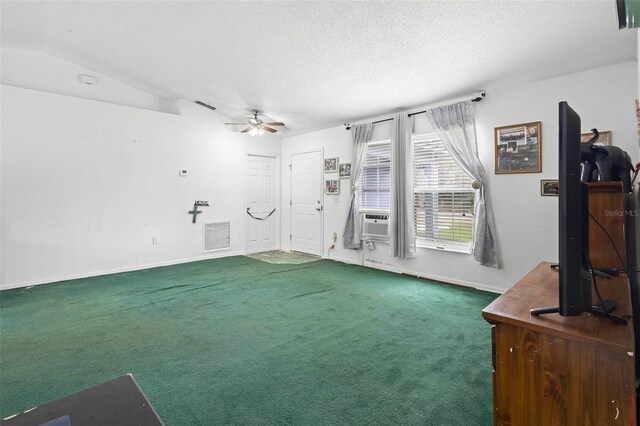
[155,240]
[335,237]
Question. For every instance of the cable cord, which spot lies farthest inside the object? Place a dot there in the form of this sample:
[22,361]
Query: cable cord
[612,243]
[624,266]
[595,286]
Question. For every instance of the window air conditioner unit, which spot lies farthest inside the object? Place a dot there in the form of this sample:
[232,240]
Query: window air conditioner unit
[375,226]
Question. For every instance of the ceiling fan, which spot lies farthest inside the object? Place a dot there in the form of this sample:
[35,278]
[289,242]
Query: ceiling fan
[257,127]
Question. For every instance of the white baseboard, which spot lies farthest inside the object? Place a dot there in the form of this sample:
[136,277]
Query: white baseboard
[463,283]
[344,260]
[446,280]
[368,264]
[127,269]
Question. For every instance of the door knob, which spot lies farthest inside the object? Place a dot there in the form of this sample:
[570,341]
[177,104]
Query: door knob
[319,208]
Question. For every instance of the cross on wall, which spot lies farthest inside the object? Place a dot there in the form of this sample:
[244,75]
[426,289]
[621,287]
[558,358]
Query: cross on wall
[195,212]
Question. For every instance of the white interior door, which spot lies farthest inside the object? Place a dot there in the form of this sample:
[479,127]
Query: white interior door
[306,202]
[261,200]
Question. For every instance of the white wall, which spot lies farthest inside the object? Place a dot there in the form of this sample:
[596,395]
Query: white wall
[43,71]
[526,222]
[85,185]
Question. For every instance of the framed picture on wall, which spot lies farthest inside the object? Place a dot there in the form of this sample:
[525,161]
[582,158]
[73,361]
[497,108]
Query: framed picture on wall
[332,187]
[331,165]
[519,148]
[344,170]
[549,187]
[604,138]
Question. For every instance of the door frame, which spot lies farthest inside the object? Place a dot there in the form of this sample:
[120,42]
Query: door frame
[309,151]
[276,215]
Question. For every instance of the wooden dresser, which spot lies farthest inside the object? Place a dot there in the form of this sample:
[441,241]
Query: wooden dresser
[554,370]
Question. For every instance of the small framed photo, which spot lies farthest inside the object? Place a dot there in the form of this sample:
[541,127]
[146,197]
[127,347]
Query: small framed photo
[604,138]
[332,187]
[331,165]
[344,170]
[549,187]
[519,148]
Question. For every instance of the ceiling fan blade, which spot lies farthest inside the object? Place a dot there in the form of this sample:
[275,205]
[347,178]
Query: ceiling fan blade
[268,129]
[247,129]
[274,123]
[237,124]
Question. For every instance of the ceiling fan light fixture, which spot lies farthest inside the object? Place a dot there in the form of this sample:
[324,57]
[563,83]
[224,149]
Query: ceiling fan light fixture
[256,126]
[256,131]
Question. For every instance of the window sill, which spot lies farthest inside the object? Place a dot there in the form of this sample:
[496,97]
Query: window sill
[455,248]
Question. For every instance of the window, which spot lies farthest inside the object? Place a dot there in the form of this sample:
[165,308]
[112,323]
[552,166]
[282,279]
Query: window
[443,197]
[374,184]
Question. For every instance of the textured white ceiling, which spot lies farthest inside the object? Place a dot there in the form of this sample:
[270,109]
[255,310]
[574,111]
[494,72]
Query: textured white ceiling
[315,65]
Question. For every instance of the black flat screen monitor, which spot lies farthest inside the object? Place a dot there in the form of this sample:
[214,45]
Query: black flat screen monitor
[573,256]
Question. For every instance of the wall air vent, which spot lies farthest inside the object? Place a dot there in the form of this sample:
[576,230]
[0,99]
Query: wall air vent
[212,108]
[216,236]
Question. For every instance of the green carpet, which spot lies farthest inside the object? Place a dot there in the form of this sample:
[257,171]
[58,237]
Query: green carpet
[239,341]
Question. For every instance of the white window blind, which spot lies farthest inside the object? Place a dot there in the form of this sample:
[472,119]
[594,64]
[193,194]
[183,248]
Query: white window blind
[374,185]
[443,196]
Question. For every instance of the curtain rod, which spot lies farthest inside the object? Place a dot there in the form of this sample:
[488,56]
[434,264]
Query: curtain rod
[474,97]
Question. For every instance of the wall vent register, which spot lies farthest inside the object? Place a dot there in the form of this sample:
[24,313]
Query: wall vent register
[216,236]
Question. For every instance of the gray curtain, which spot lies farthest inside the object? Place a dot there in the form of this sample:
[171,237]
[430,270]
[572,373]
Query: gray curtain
[456,127]
[402,241]
[360,134]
